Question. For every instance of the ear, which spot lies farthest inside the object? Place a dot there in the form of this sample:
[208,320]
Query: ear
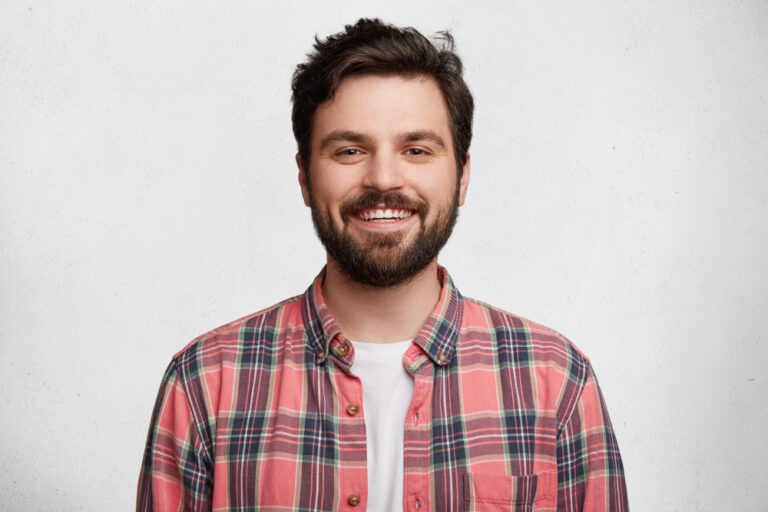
[464,182]
[303,181]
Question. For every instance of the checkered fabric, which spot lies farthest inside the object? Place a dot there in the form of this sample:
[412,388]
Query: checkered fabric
[265,413]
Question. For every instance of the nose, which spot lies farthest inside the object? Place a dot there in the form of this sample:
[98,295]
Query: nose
[383,172]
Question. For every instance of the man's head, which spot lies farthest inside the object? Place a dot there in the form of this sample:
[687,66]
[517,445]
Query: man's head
[379,166]
[370,47]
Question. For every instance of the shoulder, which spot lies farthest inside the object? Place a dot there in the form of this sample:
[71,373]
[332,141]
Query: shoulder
[227,341]
[516,333]
[528,352]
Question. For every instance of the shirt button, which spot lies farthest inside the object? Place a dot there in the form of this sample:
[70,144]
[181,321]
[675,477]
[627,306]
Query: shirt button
[342,349]
[353,500]
[442,358]
[353,409]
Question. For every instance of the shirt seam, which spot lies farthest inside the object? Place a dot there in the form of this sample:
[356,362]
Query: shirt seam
[184,381]
[577,398]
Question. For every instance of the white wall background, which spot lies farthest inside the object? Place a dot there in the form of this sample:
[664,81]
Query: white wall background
[619,195]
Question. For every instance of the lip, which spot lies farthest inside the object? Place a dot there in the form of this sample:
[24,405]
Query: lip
[388,225]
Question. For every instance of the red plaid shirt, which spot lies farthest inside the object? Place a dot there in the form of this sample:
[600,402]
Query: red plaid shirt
[266,413]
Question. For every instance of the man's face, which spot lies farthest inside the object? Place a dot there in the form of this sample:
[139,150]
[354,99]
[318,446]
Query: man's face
[383,180]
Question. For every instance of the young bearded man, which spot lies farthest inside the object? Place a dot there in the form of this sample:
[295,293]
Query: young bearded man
[381,388]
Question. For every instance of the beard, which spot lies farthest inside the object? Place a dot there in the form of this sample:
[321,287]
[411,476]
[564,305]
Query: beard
[382,260]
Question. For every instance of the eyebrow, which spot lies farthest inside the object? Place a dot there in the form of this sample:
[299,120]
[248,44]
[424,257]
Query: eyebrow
[422,135]
[360,138]
[342,136]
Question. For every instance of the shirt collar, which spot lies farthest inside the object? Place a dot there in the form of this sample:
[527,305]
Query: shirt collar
[437,337]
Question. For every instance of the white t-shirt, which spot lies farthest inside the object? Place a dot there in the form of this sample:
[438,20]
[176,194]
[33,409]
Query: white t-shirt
[387,393]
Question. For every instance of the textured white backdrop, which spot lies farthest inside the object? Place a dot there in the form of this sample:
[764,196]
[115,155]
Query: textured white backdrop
[619,194]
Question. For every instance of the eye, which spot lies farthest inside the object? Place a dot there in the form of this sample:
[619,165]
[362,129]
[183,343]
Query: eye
[417,152]
[349,155]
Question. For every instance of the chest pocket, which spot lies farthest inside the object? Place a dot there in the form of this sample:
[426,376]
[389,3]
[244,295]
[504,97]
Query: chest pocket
[487,492]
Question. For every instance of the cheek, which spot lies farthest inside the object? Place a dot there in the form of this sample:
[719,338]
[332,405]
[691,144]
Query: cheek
[327,200]
[323,192]
[333,191]
[439,194]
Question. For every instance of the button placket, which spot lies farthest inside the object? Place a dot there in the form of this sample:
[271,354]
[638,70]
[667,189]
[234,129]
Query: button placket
[417,485]
[351,481]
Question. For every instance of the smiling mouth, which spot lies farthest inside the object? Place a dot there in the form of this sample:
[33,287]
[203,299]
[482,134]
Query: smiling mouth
[383,214]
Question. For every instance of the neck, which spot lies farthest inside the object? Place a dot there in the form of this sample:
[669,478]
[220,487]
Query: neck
[380,315]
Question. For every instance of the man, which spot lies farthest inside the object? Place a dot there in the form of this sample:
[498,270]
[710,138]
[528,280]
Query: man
[381,388]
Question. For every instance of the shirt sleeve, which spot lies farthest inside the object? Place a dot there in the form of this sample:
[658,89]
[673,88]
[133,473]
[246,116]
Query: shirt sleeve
[176,474]
[590,471]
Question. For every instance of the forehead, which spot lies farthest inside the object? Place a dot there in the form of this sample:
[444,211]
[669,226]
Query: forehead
[383,106]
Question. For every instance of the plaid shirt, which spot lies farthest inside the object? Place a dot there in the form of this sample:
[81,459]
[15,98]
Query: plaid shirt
[265,413]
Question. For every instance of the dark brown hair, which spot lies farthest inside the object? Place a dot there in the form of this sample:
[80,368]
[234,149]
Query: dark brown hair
[371,46]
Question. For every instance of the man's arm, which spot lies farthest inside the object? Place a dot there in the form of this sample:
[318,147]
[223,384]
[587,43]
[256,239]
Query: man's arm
[175,474]
[590,472]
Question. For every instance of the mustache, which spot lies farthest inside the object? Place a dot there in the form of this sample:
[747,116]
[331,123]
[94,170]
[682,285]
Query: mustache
[392,199]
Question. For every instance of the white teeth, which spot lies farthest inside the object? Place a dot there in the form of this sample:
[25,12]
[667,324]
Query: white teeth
[388,214]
